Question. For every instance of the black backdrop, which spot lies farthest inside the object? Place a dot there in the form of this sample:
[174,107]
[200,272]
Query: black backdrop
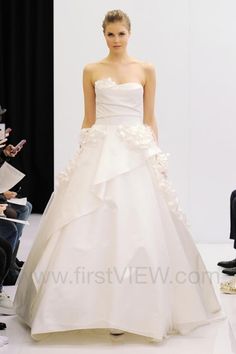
[26,90]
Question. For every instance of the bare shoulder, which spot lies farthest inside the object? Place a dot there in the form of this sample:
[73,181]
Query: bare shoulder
[144,64]
[87,72]
[149,69]
[91,70]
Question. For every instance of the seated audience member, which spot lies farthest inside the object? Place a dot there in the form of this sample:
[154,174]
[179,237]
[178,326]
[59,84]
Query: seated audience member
[22,212]
[9,230]
[9,233]
[6,305]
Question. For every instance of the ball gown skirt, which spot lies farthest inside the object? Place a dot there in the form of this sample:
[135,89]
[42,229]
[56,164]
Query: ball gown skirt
[113,249]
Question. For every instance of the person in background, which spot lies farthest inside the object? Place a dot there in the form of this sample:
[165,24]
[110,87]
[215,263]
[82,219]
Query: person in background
[229,287]
[6,152]
[6,306]
[9,230]
[230,266]
[20,212]
[9,233]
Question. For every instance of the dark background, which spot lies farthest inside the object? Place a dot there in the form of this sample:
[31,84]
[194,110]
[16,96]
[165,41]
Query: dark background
[26,91]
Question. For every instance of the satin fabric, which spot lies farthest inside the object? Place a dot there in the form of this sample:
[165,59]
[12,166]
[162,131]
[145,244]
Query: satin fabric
[113,248]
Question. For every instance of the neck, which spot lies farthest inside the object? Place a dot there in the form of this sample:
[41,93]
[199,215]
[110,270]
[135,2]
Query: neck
[118,57]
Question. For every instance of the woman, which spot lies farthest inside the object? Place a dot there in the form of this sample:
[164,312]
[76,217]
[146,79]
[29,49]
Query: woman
[113,250]
[6,305]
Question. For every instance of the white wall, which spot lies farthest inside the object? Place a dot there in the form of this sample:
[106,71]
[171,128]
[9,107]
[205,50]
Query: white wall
[192,45]
[212,138]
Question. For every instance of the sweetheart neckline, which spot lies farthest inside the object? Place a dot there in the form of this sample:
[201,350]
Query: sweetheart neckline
[115,83]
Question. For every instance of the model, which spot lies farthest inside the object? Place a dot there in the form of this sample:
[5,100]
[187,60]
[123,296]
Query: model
[113,249]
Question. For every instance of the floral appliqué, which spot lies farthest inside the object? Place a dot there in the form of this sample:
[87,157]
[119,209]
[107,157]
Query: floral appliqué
[88,136]
[159,164]
[92,135]
[105,83]
[136,136]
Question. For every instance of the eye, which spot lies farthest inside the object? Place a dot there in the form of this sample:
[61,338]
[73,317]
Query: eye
[122,33]
[110,34]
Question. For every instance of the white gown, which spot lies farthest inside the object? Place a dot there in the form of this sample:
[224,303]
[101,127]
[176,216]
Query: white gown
[113,249]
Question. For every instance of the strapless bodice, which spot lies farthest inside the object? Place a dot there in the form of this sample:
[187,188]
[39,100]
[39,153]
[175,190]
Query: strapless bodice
[118,103]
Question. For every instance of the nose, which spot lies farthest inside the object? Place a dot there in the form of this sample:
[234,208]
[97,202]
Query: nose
[116,39]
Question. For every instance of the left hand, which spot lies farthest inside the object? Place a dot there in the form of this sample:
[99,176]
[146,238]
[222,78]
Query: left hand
[10,151]
[9,194]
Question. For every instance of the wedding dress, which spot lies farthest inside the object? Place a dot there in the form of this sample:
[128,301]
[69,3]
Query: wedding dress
[113,248]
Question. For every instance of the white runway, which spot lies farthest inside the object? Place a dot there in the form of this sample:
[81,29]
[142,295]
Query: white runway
[217,338]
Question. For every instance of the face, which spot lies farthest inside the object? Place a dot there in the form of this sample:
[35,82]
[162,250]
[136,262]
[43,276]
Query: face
[2,208]
[117,36]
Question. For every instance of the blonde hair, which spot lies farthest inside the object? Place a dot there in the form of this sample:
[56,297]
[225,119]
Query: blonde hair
[116,16]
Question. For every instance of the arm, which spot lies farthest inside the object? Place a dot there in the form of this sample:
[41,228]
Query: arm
[149,99]
[89,98]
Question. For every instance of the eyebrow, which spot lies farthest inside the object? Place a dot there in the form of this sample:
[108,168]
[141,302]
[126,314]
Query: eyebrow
[113,33]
